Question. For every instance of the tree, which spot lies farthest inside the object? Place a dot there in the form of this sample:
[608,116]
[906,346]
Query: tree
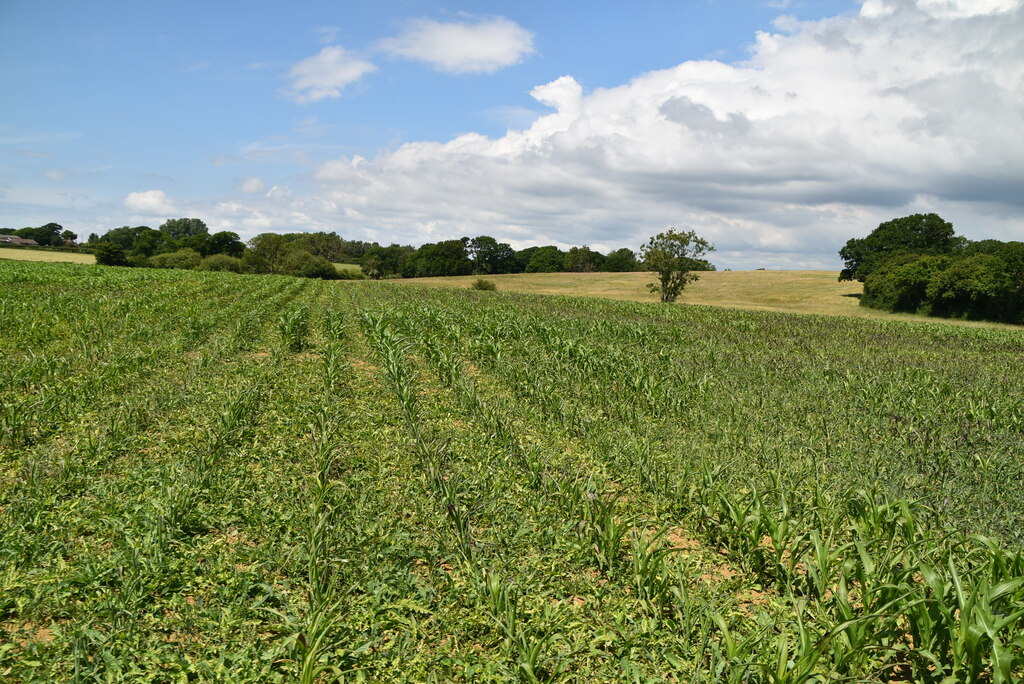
[674,255]
[382,262]
[321,244]
[490,256]
[69,237]
[110,254]
[267,254]
[620,261]
[48,235]
[976,287]
[184,227]
[582,260]
[225,242]
[918,234]
[548,259]
[446,258]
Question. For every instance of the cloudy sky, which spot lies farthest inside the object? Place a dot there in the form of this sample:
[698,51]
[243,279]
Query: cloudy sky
[777,129]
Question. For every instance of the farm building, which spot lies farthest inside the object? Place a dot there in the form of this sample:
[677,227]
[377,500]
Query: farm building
[15,240]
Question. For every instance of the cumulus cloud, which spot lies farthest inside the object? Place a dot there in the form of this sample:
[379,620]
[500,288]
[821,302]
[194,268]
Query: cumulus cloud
[827,129]
[150,203]
[485,45]
[326,74]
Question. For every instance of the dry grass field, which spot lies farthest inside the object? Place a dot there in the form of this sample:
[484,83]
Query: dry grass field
[45,255]
[807,292]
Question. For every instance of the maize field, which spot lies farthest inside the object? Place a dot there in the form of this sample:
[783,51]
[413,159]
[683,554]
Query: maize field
[214,477]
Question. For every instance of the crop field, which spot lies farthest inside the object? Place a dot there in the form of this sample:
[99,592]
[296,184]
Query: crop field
[213,477]
[19,254]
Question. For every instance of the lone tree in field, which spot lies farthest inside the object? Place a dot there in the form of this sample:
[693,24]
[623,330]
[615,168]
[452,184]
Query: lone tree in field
[674,256]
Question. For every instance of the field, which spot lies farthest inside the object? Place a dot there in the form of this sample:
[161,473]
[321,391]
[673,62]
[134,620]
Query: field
[18,254]
[348,267]
[213,477]
[815,292]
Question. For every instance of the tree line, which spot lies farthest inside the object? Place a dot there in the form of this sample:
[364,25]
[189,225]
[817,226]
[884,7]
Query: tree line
[188,243]
[48,235]
[917,264]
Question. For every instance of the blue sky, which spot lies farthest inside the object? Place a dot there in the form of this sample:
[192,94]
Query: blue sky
[778,129]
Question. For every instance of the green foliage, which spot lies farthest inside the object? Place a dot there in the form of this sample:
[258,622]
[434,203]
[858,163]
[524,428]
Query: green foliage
[901,282]
[916,234]
[977,286]
[179,228]
[385,262]
[484,285]
[621,261]
[582,260]
[447,258]
[224,242]
[970,284]
[220,262]
[109,254]
[48,235]
[293,325]
[215,478]
[304,265]
[489,256]
[267,253]
[183,258]
[548,259]
[674,256]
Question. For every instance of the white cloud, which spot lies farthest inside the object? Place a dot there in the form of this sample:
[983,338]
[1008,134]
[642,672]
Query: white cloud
[326,74]
[826,130]
[485,45]
[150,203]
[56,175]
[252,184]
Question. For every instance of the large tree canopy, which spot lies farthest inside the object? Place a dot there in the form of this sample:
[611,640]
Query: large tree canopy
[184,227]
[918,234]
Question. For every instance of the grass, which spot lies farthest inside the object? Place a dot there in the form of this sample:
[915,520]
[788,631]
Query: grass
[46,255]
[809,292]
[347,267]
[216,477]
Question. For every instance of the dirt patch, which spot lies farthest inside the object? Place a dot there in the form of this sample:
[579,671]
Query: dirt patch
[751,599]
[719,574]
[678,539]
[35,633]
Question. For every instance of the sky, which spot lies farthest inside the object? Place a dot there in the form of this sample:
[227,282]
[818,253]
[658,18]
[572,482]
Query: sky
[776,129]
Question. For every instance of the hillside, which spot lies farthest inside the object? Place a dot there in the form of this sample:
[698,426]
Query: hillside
[806,292]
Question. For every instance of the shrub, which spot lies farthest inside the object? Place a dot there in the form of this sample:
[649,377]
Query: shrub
[220,262]
[183,258]
[486,285]
[304,265]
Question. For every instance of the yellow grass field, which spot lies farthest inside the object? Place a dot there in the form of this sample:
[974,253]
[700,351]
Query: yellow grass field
[45,255]
[807,292]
